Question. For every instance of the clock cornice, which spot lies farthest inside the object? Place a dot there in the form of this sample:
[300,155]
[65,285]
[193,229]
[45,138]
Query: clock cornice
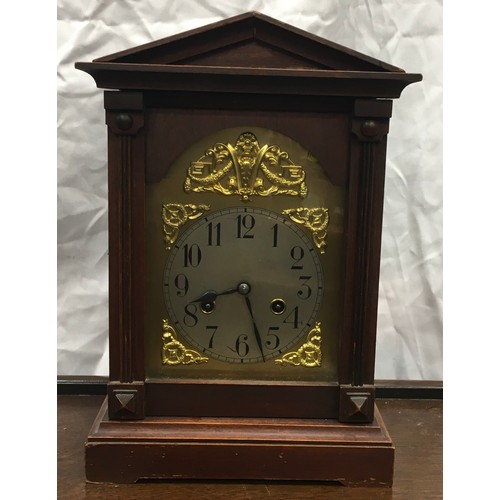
[250,51]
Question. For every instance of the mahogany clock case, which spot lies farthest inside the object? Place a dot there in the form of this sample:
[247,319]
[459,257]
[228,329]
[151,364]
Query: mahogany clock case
[246,71]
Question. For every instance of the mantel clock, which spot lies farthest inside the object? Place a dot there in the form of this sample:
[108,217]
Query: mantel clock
[246,174]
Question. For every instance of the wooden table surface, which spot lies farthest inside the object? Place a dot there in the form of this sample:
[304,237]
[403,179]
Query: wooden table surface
[415,427]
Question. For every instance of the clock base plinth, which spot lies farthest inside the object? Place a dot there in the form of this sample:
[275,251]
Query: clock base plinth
[239,449]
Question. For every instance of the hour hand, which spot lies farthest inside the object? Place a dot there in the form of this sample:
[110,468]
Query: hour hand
[207,299]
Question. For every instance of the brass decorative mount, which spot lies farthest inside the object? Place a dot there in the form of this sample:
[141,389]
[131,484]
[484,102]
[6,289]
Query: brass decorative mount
[246,169]
[175,215]
[308,354]
[174,352]
[315,220]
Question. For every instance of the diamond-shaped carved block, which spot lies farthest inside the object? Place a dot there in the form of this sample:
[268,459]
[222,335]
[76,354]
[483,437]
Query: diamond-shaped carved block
[125,401]
[356,404]
[123,404]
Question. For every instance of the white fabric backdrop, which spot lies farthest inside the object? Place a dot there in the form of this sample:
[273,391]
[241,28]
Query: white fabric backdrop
[405,33]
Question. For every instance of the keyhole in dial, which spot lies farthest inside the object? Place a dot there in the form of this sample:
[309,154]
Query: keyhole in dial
[278,306]
[207,307]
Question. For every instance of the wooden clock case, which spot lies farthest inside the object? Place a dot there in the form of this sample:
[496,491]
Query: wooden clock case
[337,103]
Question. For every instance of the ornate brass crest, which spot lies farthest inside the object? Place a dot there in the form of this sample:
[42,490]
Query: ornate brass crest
[246,169]
[314,219]
[308,354]
[175,215]
[174,352]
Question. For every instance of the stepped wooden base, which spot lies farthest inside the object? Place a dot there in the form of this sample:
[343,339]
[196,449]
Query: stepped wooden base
[245,449]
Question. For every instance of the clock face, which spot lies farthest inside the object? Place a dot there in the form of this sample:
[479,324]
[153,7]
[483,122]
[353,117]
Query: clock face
[243,284]
[244,255]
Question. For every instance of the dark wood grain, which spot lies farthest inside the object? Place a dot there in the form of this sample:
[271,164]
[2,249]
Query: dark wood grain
[370,124]
[251,53]
[225,398]
[271,81]
[126,170]
[238,449]
[74,385]
[253,70]
[347,135]
[187,123]
[415,426]
[251,26]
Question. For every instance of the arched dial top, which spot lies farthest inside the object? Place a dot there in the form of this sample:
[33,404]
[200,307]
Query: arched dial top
[243,284]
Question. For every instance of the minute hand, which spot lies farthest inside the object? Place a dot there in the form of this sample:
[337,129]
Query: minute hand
[255,329]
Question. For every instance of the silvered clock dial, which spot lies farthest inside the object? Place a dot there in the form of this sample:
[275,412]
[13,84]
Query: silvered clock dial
[243,284]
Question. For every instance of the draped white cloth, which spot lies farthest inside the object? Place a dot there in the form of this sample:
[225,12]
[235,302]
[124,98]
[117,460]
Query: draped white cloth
[405,33]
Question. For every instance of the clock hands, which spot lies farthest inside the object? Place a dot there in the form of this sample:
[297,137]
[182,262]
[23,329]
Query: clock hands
[255,329]
[207,301]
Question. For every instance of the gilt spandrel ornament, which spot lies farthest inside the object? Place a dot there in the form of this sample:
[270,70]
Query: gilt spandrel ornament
[175,215]
[176,353]
[308,354]
[246,169]
[313,219]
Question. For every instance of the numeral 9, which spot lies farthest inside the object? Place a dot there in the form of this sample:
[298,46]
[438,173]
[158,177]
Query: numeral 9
[182,284]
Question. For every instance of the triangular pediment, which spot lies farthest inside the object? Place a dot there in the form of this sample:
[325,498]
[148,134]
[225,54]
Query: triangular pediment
[251,53]
[248,41]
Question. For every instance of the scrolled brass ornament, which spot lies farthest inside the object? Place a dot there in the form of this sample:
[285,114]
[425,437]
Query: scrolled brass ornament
[175,215]
[315,220]
[308,354]
[246,169]
[174,352]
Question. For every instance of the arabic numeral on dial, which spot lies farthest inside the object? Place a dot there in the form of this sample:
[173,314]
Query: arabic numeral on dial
[211,331]
[297,254]
[192,255]
[246,223]
[190,319]
[293,318]
[182,284]
[241,347]
[275,235]
[305,290]
[272,341]
[213,234]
